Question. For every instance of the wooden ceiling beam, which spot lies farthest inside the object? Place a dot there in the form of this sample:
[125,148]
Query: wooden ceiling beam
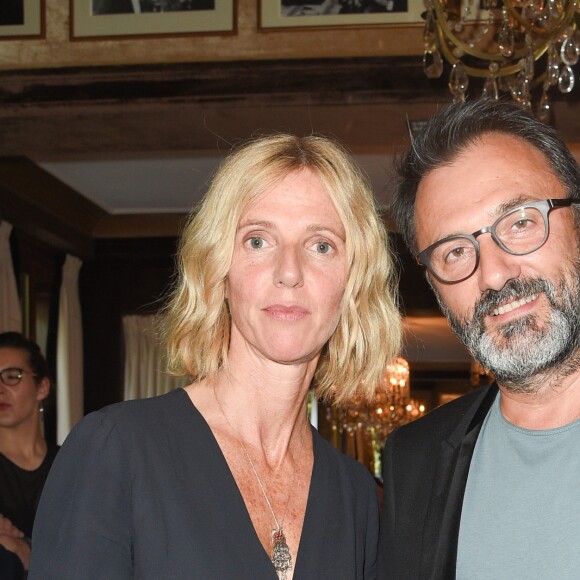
[43,207]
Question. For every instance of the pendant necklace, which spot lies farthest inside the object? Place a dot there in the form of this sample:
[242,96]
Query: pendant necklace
[281,557]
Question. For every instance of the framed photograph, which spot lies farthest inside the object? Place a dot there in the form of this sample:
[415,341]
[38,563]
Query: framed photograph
[21,19]
[293,13]
[119,18]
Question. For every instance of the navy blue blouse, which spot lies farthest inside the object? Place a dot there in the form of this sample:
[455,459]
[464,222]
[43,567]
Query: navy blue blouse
[142,490]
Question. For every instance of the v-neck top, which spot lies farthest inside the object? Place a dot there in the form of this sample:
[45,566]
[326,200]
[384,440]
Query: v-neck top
[141,489]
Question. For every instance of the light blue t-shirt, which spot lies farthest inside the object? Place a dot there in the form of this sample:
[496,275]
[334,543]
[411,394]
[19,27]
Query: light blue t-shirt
[521,512]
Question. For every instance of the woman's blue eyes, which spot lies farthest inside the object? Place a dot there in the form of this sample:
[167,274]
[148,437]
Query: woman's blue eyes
[257,243]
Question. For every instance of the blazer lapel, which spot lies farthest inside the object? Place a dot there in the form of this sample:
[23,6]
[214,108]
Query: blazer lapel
[441,529]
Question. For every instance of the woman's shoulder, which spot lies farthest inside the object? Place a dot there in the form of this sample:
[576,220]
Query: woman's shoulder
[51,451]
[144,408]
[135,429]
[139,417]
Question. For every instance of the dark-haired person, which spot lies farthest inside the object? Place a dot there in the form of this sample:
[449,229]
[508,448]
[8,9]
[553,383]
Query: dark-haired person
[488,486]
[25,456]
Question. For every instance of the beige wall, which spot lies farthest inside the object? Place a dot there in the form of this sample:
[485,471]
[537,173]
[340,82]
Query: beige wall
[248,43]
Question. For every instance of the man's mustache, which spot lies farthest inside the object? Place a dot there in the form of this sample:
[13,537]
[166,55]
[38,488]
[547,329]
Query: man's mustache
[512,290]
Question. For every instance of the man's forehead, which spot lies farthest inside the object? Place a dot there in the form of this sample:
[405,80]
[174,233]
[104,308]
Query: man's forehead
[492,175]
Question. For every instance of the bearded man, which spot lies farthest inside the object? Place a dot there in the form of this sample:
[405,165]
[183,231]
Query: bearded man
[487,487]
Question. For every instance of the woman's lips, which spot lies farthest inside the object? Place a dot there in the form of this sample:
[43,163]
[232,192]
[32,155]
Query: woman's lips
[4,406]
[286,313]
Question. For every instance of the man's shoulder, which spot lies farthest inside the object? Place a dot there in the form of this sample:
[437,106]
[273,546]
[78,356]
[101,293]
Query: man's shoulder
[442,421]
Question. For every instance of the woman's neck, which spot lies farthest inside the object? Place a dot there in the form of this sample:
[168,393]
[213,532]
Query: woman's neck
[264,413]
[24,445]
[262,405]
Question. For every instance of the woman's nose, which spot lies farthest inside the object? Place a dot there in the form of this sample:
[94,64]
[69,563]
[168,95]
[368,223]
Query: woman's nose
[289,270]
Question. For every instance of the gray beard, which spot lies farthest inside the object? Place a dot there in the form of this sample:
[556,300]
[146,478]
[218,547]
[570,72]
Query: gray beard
[529,357]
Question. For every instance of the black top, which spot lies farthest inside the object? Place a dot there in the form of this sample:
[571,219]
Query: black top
[142,490]
[20,490]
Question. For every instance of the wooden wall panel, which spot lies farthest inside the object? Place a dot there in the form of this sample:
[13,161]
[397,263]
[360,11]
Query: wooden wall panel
[126,276]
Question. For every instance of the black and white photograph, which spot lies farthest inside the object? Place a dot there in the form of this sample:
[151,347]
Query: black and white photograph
[130,18]
[294,13]
[21,19]
[144,6]
[12,12]
[322,7]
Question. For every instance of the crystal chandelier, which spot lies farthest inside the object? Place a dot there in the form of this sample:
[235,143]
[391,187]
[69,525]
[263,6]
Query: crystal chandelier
[362,428]
[514,45]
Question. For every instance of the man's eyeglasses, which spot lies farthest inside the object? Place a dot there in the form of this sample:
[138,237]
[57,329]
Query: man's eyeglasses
[12,376]
[519,231]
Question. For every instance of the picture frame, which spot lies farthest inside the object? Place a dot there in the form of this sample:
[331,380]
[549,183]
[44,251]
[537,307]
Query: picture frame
[331,13]
[21,19]
[92,19]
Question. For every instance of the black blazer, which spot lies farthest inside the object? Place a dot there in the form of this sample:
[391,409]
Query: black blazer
[425,467]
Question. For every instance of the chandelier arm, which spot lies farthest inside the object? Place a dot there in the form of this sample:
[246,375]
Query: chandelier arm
[446,35]
[483,72]
[566,19]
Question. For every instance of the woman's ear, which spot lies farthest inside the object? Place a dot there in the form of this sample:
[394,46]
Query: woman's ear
[43,389]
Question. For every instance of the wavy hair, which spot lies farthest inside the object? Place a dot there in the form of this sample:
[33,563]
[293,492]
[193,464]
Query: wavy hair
[196,318]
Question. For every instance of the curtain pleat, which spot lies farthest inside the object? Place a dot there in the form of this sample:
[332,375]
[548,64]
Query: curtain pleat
[69,356]
[10,312]
[145,362]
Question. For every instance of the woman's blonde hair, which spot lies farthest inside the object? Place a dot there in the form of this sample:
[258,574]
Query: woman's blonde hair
[197,320]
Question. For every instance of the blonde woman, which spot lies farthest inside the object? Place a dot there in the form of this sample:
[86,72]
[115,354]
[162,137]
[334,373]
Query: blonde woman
[285,282]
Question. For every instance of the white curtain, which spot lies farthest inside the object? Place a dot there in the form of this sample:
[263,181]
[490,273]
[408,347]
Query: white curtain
[10,313]
[145,362]
[69,351]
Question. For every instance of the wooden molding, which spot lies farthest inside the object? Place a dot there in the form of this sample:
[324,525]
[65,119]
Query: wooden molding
[139,225]
[40,205]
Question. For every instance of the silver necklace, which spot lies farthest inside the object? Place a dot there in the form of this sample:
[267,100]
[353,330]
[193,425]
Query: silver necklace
[281,557]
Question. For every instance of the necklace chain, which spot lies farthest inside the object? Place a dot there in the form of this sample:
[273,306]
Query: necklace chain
[281,557]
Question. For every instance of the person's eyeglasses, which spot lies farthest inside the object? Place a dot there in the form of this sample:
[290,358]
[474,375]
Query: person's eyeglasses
[12,376]
[519,231]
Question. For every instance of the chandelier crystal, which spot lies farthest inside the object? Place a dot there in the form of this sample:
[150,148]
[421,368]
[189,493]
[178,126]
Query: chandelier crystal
[513,45]
[366,424]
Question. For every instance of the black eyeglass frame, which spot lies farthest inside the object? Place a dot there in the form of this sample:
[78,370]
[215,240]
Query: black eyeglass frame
[544,206]
[20,373]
